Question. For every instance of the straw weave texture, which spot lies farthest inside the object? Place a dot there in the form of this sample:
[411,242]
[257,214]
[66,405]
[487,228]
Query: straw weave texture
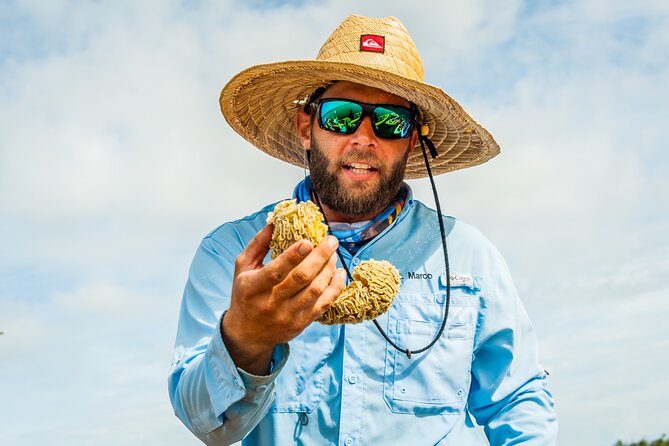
[260,102]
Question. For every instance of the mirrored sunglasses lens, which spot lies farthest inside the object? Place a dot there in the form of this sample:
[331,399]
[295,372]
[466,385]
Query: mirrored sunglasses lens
[392,123]
[340,116]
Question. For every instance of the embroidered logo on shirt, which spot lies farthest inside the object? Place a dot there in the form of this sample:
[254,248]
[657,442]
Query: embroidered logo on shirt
[458,280]
[373,43]
[462,280]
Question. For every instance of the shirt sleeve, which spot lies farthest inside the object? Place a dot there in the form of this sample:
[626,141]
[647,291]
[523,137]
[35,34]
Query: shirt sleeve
[216,400]
[509,394]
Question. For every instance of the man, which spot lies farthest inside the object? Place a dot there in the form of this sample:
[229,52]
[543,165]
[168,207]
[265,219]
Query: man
[250,362]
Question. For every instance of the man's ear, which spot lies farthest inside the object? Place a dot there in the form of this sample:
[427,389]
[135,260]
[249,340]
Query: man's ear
[413,140]
[303,126]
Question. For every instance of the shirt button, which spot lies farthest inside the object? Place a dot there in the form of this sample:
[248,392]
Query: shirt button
[348,441]
[353,379]
[261,388]
[355,262]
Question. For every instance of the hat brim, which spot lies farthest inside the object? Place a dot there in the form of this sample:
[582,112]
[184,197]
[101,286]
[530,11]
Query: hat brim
[260,104]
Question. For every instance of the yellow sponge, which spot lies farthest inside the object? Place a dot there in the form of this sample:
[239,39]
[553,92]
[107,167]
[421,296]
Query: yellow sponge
[375,282]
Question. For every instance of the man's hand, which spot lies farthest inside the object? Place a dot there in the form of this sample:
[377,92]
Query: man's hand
[271,304]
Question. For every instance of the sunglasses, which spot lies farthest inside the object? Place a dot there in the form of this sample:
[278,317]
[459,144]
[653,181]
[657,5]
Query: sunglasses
[345,116]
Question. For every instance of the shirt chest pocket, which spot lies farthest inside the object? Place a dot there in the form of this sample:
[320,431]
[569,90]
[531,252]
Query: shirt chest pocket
[300,384]
[437,380]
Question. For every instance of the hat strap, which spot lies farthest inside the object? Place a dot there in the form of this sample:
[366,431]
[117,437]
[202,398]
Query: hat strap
[424,140]
[423,131]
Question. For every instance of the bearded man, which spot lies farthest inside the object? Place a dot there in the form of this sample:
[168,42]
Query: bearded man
[250,361]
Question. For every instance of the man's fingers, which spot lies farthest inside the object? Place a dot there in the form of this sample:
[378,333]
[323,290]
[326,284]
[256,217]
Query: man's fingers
[277,270]
[330,294]
[304,273]
[308,296]
[255,252]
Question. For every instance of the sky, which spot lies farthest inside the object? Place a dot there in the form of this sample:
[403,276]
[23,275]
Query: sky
[115,161]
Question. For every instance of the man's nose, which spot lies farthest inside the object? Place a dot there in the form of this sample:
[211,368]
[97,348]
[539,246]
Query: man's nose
[364,136]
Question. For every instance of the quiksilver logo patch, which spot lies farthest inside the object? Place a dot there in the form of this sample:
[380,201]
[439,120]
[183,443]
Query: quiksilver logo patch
[373,43]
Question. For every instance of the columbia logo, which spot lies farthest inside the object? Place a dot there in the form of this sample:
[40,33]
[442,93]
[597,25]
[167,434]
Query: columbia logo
[371,42]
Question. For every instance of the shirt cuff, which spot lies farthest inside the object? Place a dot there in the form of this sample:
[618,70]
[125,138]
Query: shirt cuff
[221,376]
[258,386]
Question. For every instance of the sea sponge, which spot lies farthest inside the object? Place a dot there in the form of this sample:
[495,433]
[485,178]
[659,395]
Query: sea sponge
[372,292]
[294,222]
[375,282]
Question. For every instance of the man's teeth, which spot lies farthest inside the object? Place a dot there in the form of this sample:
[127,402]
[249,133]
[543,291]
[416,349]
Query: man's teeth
[359,168]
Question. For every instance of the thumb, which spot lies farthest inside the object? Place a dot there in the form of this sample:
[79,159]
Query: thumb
[251,258]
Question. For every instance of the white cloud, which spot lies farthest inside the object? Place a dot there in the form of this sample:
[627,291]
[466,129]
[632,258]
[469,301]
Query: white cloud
[104,349]
[605,365]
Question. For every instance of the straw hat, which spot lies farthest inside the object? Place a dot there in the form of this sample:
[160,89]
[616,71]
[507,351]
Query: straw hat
[260,102]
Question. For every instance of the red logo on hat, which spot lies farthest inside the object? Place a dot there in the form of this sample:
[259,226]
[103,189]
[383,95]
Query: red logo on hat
[370,42]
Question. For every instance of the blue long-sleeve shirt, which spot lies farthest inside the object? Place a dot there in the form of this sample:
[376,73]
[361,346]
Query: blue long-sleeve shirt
[345,385]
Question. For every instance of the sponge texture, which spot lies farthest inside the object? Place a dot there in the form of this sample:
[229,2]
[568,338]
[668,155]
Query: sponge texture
[375,282]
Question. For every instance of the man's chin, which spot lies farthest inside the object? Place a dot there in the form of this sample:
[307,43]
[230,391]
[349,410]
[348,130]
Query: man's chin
[361,186]
[368,185]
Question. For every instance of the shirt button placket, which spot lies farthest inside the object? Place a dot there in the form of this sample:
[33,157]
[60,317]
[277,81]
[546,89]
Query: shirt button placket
[352,399]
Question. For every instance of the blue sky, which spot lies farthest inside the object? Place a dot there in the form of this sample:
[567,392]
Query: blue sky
[115,161]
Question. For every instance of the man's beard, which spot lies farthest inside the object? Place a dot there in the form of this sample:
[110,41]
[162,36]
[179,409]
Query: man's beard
[354,200]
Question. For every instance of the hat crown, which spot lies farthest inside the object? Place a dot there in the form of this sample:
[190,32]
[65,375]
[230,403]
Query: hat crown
[391,49]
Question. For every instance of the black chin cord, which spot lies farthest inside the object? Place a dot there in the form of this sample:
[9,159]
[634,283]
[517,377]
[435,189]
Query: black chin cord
[406,351]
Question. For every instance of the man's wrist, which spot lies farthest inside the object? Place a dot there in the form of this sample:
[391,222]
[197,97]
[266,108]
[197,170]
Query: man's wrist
[249,356]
